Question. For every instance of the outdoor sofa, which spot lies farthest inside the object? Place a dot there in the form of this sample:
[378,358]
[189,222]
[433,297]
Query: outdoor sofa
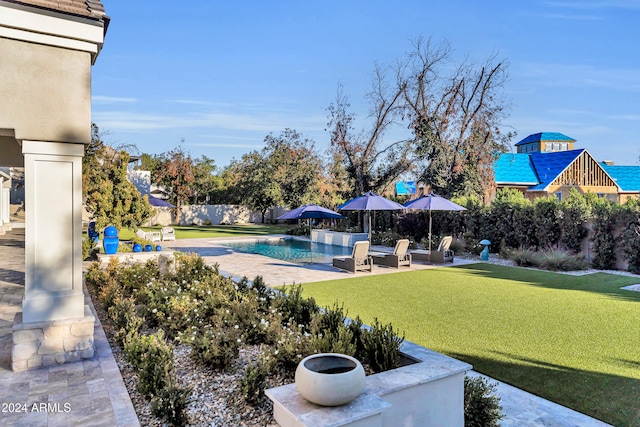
[168,233]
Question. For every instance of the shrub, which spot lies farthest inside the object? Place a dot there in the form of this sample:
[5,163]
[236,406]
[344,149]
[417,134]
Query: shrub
[296,309]
[603,237]
[152,356]
[213,346]
[124,316]
[523,257]
[171,404]
[559,260]
[96,276]
[291,346]
[253,382]
[89,250]
[481,407]
[340,341]
[381,347]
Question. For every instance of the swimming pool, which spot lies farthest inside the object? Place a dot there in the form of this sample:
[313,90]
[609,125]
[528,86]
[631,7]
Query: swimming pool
[292,250]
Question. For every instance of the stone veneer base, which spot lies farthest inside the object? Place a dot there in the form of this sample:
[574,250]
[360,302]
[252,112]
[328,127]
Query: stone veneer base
[42,344]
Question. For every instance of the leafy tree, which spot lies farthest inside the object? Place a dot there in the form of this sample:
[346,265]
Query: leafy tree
[108,195]
[286,172]
[175,175]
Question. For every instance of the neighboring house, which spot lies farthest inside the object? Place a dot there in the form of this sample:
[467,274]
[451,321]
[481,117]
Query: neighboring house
[406,188]
[547,164]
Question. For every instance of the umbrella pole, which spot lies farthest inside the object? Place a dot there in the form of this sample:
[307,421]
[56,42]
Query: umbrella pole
[310,242]
[369,215]
[429,234]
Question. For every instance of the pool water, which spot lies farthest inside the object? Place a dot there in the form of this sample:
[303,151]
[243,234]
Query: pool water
[292,250]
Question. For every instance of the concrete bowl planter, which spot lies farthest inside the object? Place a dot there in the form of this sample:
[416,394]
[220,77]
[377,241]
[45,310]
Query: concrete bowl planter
[330,379]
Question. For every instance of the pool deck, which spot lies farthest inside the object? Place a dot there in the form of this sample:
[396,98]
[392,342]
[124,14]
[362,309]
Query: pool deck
[276,272]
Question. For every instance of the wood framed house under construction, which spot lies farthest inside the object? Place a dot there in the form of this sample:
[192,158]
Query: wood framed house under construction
[546,164]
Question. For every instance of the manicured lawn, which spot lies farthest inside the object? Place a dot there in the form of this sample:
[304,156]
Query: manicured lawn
[189,232]
[572,340]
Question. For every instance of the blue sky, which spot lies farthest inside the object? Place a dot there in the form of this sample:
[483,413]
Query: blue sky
[224,74]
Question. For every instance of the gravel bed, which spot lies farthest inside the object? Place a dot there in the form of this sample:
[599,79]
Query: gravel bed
[215,398]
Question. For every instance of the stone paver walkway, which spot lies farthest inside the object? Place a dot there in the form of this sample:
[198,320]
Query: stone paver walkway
[87,393]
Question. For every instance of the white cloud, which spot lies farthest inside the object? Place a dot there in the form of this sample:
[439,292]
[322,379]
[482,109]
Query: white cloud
[98,99]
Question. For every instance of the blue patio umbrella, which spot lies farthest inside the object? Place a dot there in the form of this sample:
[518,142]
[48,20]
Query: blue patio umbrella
[311,211]
[370,201]
[433,202]
[308,212]
[154,201]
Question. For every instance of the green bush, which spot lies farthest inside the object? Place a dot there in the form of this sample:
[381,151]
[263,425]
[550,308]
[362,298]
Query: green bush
[152,357]
[295,308]
[481,407]
[523,257]
[603,237]
[213,346]
[560,260]
[171,404]
[89,250]
[253,383]
[381,346]
[125,318]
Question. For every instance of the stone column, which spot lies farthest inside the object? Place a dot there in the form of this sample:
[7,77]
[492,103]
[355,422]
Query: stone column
[54,326]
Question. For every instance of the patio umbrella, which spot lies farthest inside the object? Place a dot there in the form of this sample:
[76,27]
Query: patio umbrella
[433,202]
[311,211]
[154,201]
[308,212]
[370,201]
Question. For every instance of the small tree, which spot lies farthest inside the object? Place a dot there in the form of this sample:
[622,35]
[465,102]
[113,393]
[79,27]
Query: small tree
[108,195]
[175,175]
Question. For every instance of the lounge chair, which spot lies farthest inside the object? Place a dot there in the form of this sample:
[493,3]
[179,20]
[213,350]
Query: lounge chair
[168,233]
[442,254]
[152,236]
[398,258]
[359,260]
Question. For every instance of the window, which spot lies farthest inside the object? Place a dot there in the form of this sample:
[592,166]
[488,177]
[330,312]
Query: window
[564,146]
[559,195]
[601,195]
[556,146]
[548,146]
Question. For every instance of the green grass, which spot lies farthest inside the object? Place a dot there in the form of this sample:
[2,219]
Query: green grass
[572,340]
[189,232]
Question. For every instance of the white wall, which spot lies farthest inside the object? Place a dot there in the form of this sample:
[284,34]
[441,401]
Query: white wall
[217,214]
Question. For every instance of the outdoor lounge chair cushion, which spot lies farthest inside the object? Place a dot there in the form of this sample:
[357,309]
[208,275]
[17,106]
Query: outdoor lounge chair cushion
[359,260]
[442,254]
[398,258]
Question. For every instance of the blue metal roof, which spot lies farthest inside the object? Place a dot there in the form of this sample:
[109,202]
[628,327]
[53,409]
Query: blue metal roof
[404,188]
[549,165]
[545,136]
[627,177]
[511,168]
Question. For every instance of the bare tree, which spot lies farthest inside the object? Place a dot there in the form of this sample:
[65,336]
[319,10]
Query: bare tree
[455,118]
[371,163]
